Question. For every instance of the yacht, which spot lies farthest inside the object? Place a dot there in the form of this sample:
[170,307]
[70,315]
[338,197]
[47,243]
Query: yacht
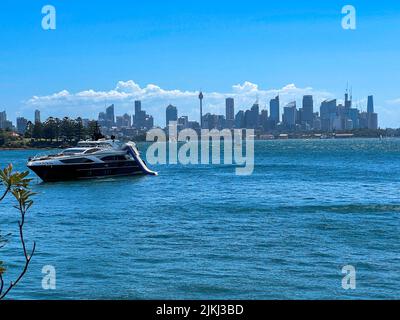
[90,159]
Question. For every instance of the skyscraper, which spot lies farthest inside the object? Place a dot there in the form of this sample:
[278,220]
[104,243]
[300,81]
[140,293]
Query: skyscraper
[171,114]
[239,120]
[22,123]
[307,114]
[370,105]
[230,112]
[4,123]
[3,119]
[328,112]
[110,117]
[274,110]
[201,109]
[140,115]
[138,107]
[289,115]
[37,116]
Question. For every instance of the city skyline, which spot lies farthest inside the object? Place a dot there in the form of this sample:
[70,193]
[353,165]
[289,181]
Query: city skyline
[243,96]
[330,116]
[147,52]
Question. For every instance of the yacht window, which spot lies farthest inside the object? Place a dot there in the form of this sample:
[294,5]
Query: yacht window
[77,160]
[114,158]
[72,151]
[92,150]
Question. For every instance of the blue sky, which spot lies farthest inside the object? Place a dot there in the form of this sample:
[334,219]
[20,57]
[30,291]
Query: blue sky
[111,51]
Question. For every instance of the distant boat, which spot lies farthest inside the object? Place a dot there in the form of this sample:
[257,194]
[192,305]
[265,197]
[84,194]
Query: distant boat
[90,159]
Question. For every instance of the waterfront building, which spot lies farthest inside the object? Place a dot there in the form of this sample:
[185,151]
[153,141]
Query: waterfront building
[317,124]
[372,121]
[328,112]
[354,115]
[363,120]
[213,121]
[3,119]
[274,110]
[22,123]
[110,117]
[171,114]
[142,120]
[194,125]
[251,117]
[307,111]
[102,119]
[230,112]
[264,120]
[370,105]
[289,115]
[239,120]
[37,116]
[123,121]
[140,115]
[183,122]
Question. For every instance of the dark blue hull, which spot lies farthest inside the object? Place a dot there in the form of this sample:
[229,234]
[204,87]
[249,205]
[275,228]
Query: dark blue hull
[86,171]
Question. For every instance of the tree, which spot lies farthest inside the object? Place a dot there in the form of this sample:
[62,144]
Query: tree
[49,129]
[67,129]
[79,129]
[17,184]
[37,132]
[29,130]
[94,131]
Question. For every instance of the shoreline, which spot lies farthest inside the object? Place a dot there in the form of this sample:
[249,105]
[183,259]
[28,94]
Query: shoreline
[256,139]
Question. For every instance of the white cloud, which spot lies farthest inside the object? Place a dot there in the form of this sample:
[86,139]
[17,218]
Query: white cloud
[89,102]
[394,102]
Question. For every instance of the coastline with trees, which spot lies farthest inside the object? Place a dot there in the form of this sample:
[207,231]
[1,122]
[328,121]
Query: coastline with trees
[53,133]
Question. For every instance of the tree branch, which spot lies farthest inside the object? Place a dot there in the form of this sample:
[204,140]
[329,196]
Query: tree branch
[5,193]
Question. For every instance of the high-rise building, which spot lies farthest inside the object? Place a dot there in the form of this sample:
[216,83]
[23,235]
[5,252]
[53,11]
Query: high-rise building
[22,123]
[348,100]
[138,107]
[354,115]
[252,117]
[110,117]
[127,120]
[102,119]
[328,112]
[274,110]
[3,119]
[264,121]
[183,122]
[370,105]
[171,114]
[37,116]
[307,113]
[119,121]
[4,123]
[213,121]
[239,120]
[289,115]
[372,121]
[230,112]
[140,115]
[123,121]
[141,119]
